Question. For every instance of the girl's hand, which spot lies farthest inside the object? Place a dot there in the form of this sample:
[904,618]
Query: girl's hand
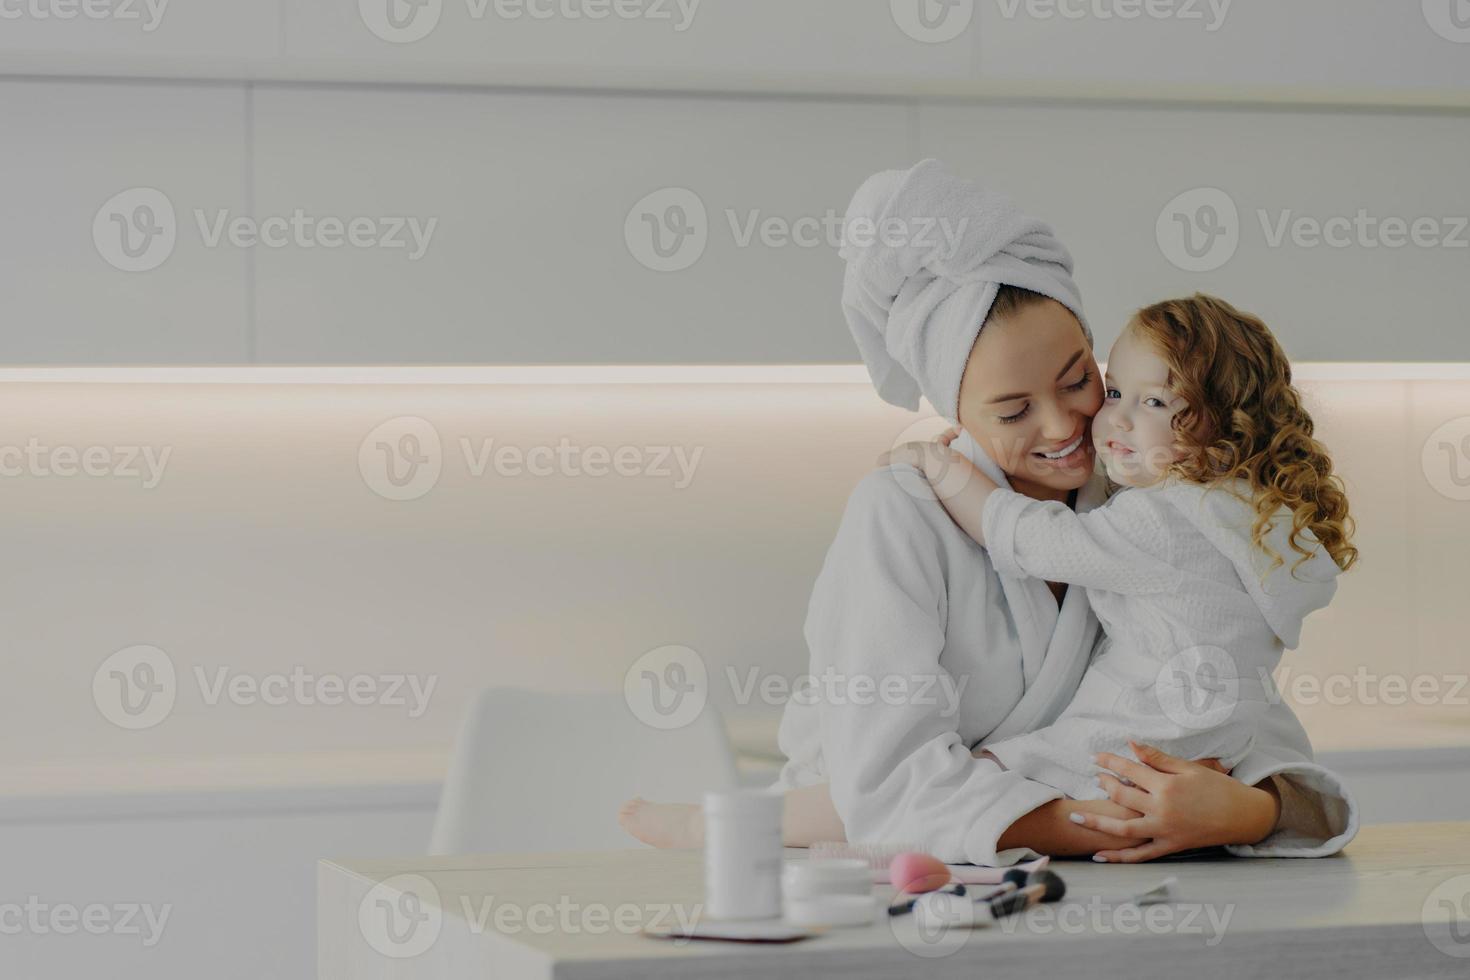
[928,458]
[1182,805]
[910,454]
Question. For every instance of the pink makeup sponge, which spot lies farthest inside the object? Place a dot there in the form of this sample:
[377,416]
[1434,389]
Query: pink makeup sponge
[917,873]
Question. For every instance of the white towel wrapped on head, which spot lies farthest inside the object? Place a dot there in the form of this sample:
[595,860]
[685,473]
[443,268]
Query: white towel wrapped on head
[926,252]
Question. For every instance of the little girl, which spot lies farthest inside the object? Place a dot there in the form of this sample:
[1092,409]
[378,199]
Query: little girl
[1185,566]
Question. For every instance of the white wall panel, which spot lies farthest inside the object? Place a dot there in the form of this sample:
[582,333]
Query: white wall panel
[529,262]
[808,38]
[1104,176]
[1356,45]
[68,149]
[148,35]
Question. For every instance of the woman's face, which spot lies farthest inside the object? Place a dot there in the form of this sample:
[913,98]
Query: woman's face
[1028,395]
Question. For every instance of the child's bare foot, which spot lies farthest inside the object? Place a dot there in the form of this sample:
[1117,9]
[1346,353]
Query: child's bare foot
[663,824]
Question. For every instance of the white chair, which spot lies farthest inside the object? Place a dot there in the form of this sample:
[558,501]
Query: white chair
[536,771]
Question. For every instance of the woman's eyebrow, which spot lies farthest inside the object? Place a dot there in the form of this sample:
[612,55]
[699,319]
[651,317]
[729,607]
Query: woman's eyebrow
[1060,374]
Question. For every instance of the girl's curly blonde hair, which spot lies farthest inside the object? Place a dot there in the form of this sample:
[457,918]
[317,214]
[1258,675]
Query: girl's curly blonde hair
[1244,420]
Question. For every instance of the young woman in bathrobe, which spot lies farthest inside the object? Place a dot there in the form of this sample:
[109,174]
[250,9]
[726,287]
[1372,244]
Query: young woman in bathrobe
[906,597]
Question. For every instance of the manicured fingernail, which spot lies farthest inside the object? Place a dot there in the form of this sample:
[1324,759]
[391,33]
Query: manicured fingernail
[1076,818]
[1100,859]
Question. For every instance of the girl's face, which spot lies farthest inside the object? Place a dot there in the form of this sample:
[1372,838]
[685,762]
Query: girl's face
[1133,432]
[1027,398]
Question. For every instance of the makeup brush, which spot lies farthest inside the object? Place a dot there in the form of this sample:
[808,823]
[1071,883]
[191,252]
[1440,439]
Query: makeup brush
[1042,886]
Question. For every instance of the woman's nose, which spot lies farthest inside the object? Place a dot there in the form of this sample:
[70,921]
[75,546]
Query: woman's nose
[1058,424]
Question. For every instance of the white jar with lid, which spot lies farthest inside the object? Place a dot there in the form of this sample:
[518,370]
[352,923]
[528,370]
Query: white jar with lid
[742,854]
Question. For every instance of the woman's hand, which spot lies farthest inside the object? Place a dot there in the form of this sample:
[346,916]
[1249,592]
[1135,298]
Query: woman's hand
[1181,805]
[1051,829]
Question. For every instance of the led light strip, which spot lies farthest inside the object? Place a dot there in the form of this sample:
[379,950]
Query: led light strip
[555,374]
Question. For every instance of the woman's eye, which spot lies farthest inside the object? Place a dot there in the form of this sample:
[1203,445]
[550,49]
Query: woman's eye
[1086,378]
[1015,418]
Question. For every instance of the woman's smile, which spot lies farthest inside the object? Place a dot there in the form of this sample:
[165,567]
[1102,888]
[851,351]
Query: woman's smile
[1074,454]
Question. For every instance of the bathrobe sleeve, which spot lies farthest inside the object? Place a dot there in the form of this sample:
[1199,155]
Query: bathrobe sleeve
[1122,546]
[1318,814]
[898,768]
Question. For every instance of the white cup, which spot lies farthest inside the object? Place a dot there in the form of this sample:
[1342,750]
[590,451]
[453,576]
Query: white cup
[742,854]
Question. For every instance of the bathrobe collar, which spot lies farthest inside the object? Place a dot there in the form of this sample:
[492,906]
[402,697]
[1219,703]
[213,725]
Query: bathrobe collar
[1056,644]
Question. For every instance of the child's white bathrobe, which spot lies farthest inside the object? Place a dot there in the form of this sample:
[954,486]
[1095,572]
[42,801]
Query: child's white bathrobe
[1196,616]
[920,651]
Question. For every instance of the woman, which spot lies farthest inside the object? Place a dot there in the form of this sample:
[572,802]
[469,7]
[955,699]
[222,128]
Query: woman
[906,599]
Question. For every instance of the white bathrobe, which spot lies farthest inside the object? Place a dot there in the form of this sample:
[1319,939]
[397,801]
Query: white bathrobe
[1196,618]
[905,594]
